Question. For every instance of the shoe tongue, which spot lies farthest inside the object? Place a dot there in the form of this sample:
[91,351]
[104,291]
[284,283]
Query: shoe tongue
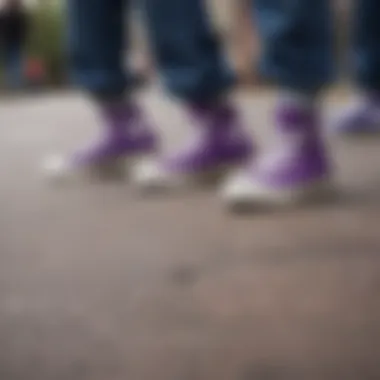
[370,99]
[213,117]
[119,110]
[295,119]
[116,117]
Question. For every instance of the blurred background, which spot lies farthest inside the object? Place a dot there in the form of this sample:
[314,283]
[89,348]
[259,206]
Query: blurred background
[38,55]
[32,44]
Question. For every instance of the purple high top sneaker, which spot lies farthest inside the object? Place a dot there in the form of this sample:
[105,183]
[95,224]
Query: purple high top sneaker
[296,170]
[361,118]
[126,135]
[219,142]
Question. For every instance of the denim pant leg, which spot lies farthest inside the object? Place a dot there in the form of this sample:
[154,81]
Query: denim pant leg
[366,44]
[298,43]
[97,45]
[187,50]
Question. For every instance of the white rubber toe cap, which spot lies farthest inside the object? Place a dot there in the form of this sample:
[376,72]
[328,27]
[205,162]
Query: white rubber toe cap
[55,168]
[242,189]
[246,191]
[150,175]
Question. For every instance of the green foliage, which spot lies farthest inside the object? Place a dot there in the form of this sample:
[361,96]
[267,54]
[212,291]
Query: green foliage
[46,39]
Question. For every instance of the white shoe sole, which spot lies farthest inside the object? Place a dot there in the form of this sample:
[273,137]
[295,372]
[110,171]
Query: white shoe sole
[242,194]
[149,178]
[57,170]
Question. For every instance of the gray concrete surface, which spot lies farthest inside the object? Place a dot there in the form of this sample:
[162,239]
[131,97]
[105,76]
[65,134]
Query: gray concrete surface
[98,285]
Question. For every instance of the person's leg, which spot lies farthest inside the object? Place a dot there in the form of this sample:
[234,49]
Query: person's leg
[364,116]
[190,60]
[97,47]
[298,48]
[139,59]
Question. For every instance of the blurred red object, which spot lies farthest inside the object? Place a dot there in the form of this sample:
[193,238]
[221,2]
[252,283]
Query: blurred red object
[35,70]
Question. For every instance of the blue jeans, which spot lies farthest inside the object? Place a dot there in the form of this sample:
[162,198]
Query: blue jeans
[13,67]
[299,47]
[186,48]
[297,37]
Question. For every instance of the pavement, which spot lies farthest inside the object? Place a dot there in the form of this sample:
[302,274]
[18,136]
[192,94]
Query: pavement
[98,284]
